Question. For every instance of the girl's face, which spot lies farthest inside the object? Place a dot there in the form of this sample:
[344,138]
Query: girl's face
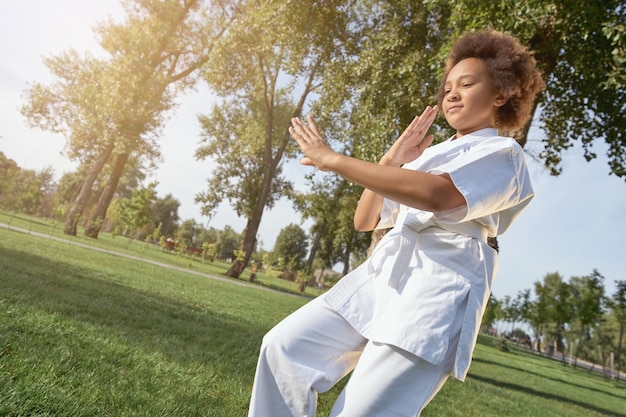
[470,103]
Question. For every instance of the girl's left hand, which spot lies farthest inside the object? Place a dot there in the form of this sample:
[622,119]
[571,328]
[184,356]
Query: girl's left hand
[316,150]
[413,141]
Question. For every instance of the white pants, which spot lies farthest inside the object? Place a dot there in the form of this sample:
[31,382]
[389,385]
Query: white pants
[313,348]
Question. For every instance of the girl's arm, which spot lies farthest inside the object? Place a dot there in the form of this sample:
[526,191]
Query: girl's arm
[387,179]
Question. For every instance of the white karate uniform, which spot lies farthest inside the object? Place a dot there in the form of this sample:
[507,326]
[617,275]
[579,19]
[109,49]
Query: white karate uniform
[411,313]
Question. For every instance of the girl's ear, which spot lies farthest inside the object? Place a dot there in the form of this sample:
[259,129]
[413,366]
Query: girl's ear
[501,100]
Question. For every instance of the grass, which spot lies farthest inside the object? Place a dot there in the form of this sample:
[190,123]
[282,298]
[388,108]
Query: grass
[86,333]
[119,244]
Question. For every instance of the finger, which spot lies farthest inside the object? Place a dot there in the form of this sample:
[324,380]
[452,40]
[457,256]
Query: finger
[313,125]
[297,135]
[424,119]
[307,161]
[297,125]
[428,140]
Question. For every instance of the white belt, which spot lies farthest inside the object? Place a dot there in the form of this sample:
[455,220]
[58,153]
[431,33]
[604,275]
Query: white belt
[408,238]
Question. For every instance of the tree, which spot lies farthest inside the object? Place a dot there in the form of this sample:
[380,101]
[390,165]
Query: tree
[112,109]
[323,204]
[554,294]
[292,245]
[228,242]
[512,309]
[265,68]
[25,190]
[493,313]
[617,304]
[9,179]
[189,233]
[136,211]
[580,48]
[535,312]
[587,305]
[165,213]
[161,46]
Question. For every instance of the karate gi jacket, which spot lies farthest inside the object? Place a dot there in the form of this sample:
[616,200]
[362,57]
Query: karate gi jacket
[408,291]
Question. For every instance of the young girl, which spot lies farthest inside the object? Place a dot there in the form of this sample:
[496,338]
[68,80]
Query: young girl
[408,317]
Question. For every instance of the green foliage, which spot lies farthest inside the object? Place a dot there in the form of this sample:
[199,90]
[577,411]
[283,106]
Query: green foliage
[112,108]
[580,48]
[136,211]
[24,190]
[264,68]
[165,214]
[189,233]
[291,247]
[394,58]
[228,242]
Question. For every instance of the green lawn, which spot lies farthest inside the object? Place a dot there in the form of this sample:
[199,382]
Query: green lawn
[106,241]
[86,333]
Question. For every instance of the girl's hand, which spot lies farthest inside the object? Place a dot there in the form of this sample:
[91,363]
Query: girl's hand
[316,150]
[412,142]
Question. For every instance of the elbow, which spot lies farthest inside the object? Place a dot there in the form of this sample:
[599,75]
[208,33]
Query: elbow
[364,226]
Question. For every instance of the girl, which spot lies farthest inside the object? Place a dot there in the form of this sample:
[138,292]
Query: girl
[408,317]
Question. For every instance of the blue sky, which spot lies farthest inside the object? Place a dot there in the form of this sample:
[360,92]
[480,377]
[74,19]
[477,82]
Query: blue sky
[575,224]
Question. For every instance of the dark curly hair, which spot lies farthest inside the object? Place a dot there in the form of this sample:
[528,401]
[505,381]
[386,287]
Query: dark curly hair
[512,68]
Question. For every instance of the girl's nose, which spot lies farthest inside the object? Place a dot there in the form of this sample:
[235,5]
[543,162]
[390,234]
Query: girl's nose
[453,95]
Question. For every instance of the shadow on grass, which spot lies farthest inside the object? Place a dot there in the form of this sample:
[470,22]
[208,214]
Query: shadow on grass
[559,380]
[184,332]
[542,394]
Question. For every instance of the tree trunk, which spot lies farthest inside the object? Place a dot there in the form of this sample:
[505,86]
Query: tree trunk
[249,242]
[82,199]
[346,258]
[97,218]
[316,244]
[270,164]
[619,349]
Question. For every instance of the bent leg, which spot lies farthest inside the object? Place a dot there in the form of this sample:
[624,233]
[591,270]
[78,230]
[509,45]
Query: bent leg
[397,384]
[305,354]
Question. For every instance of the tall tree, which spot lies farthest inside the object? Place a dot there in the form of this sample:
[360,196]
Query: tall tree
[112,109]
[292,246]
[136,211]
[587,305]
[159,48]
[265,68]
[165,215]
[324,203]
[493,313]
[555,294]
[189,233]
[228,241]
[70,106]
[617,304]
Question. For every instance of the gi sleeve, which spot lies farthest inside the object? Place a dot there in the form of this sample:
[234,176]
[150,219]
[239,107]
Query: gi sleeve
[493,178]
[388,214]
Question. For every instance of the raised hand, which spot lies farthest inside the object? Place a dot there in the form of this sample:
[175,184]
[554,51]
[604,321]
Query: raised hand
[315,148]
[413,141]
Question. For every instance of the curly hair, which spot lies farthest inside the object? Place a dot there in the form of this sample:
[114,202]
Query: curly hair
[512,68]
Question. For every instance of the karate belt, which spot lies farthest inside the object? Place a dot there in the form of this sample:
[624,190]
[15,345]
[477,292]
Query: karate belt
[408,239]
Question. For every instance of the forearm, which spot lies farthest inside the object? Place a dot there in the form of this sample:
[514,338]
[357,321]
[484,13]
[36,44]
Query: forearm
[367,213]
[416,189]
[369,207]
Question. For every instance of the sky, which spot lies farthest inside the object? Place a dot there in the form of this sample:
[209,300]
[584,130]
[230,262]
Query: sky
[575,224]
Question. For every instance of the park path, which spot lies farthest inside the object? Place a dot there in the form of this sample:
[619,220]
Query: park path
[140,259]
